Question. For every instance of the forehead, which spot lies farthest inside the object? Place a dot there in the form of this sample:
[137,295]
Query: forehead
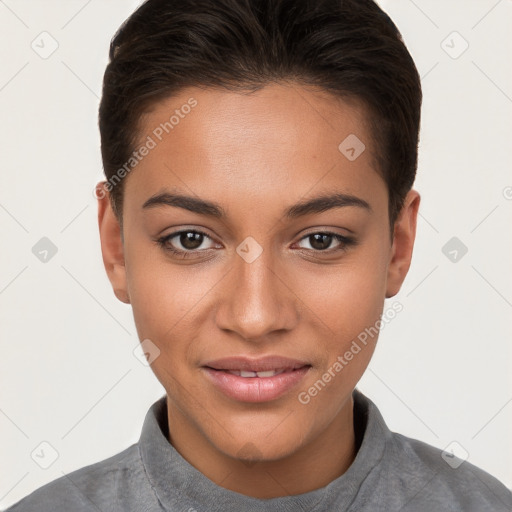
[283,139]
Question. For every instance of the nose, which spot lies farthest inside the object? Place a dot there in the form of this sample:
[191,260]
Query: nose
[257,299]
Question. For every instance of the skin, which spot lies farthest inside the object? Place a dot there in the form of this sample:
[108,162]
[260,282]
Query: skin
[256,155]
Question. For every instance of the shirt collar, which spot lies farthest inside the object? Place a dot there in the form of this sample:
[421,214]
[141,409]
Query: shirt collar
[178,484]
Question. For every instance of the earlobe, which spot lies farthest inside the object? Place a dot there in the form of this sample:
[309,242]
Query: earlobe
[112,248]
[403,243]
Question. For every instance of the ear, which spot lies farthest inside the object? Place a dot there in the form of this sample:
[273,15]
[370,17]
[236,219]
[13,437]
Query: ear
[112,248]
[404,235]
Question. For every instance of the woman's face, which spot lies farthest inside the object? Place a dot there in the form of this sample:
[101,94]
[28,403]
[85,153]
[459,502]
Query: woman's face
[256,281]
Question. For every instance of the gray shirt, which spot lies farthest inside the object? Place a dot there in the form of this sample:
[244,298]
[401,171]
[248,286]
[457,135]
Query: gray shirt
[391,472]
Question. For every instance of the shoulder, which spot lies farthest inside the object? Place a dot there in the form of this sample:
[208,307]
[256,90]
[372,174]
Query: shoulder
[433,476]
[91,488]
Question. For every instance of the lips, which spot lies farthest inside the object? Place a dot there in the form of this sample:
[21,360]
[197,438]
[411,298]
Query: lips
[255,380]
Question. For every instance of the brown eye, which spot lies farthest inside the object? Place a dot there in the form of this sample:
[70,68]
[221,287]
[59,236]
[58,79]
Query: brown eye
[191,240]
[185,243]
[322,241]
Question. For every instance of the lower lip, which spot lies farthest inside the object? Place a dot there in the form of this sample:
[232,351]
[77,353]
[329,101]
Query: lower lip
[255,389]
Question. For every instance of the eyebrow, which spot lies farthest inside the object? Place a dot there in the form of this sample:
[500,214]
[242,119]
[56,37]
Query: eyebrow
[317,204]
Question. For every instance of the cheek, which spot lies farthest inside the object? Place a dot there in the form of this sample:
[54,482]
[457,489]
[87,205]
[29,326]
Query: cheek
[348,297]
[164,313]
[168,303]
[159,297]
[350,305]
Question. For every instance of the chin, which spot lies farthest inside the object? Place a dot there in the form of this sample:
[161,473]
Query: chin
[261,445]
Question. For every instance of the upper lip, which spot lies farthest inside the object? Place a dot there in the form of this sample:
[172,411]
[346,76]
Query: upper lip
[262,364]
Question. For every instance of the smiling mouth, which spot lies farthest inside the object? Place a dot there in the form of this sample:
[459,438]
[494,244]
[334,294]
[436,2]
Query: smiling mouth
[263,379]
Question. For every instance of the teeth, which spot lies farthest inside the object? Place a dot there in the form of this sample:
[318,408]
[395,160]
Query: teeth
[269,373]
[243,373]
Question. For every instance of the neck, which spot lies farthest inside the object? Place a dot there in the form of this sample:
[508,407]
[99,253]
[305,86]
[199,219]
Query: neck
[312,466]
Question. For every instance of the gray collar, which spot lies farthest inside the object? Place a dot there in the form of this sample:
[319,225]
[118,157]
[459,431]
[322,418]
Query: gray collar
[180,486]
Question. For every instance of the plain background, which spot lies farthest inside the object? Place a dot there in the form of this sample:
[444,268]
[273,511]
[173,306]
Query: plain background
[68,376]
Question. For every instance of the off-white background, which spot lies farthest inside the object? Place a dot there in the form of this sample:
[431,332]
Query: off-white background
[442,369]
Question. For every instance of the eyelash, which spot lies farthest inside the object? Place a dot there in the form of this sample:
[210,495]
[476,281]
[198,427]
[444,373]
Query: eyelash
[163,243]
